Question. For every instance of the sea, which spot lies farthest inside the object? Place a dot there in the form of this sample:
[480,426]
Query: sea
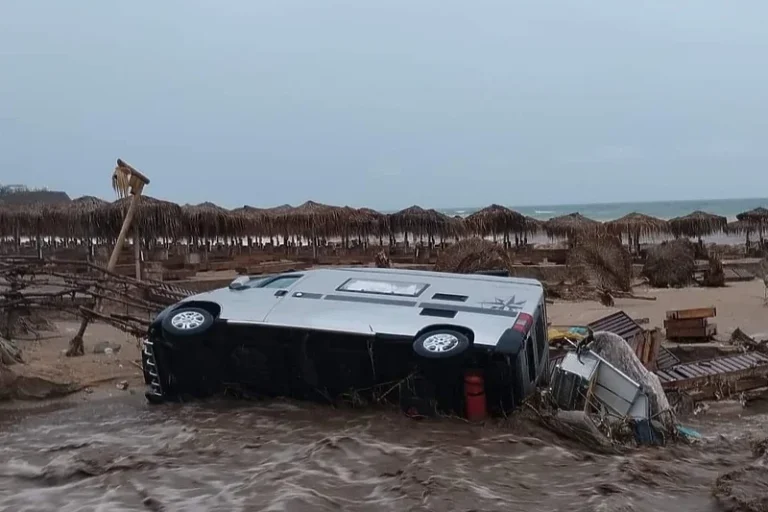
[609,211]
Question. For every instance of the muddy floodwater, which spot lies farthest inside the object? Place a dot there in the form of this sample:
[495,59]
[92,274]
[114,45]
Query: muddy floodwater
[123,454]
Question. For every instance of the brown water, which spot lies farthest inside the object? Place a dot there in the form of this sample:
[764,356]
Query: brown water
[123,455]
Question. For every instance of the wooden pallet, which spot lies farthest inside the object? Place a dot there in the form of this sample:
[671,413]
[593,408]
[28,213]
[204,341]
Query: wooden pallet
[703,332]
[687,323]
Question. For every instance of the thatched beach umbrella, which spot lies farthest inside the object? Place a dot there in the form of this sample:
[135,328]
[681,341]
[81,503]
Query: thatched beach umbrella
[495,219]
[532,225]
[29,220]
[34,220]
[758,215]
[636,225]
[571,225]
[80,218]
[313,221]
[459,227]
[368,222]
[419,222]
[31,213]
[154,218]
[445,226]
[758,219]
[697,224]
[258,221]
[209,220]
[741,227]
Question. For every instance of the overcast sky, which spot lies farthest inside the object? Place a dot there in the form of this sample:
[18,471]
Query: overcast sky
[388,103]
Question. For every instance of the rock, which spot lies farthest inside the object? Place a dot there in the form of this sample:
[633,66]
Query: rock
[28,383]
[9,353]
[105,347]
[122,385]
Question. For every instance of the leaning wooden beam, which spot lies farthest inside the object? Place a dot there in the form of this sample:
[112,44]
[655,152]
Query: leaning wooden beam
[125,179]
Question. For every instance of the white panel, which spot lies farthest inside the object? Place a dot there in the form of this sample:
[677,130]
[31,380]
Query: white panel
[615,390]
[585,368]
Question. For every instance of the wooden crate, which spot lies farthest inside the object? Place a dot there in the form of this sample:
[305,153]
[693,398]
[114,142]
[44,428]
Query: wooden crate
[688,323]
[704,332]
[686,314]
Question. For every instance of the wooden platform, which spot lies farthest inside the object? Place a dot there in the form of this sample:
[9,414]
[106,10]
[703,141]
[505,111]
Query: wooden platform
[736,274]
[743,371]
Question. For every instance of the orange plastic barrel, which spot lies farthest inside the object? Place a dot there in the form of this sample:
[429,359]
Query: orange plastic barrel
[474,395]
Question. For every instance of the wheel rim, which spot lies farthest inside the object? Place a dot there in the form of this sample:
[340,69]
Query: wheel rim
[440,343]
[187,320]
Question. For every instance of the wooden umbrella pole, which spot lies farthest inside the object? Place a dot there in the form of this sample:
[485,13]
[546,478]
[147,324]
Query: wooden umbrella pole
[137,183]
[137,251]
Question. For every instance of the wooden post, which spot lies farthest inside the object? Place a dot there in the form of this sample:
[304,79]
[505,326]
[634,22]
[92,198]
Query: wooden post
[137,183]
[137,251]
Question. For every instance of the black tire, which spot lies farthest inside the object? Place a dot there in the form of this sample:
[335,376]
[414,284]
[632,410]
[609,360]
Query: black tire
[199,321]
[449,343]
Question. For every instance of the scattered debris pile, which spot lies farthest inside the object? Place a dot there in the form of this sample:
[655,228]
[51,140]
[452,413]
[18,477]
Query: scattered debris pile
[714,275]
[473,255]
[690,325]
[671,264]
[601,259]
[32,288]
[382,260]
[603,393]
[748,343]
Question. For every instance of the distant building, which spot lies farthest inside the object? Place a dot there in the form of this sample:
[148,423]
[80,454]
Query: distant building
[20,194]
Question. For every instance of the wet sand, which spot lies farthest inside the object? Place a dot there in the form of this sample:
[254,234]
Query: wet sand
[739,304]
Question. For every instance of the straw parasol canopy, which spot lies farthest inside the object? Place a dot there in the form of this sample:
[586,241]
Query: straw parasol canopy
[80,217]
[154,217]
[532,226]
[697,224]
[30,212]
[419,221]
[366,221]
[740,227]
[568,226]
[31,219]
[312,219]
[757,216]
[495,219]
[258,221]
[757,219]
[210,220]
[638,224]
[446,225]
